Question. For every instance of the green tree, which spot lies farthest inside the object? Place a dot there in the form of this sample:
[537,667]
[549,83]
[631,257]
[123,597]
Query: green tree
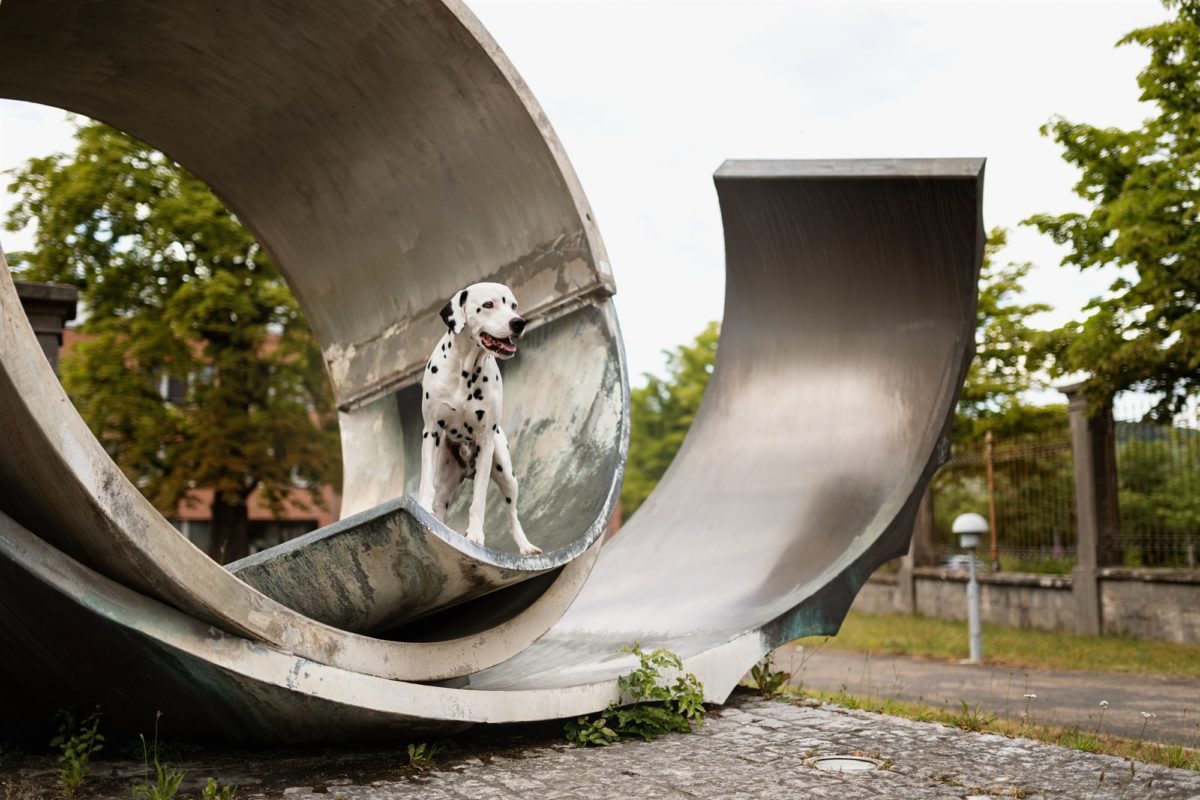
[1008,353]
[175,288]
[661,413]
[1145,196]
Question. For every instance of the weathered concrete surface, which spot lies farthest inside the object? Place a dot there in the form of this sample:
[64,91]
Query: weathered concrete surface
[1151,603]
[1065,698]
[748,750]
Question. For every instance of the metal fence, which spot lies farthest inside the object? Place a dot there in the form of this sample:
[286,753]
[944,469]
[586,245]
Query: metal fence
[1158,481]
[1031,484]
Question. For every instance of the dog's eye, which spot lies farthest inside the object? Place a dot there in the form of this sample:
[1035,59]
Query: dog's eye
[489,304]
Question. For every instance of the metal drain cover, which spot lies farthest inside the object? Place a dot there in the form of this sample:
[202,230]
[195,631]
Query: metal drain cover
[845,763]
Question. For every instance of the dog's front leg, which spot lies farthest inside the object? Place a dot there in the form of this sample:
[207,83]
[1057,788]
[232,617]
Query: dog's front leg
[429,459]
[487,448]
[506,480]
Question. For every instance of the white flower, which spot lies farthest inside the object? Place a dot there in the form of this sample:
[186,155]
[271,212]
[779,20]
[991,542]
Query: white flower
[1104,704]
[1148,715]
[1030,696]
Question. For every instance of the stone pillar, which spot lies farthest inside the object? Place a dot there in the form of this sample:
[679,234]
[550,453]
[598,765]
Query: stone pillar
[921,553]
[48,306]
[1093,448]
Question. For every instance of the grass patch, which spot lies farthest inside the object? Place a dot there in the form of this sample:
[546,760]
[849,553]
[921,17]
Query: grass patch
[947,640]
[1168,755]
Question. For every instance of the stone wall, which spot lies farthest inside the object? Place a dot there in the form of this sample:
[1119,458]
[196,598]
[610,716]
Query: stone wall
[1151,604]
[1147,604]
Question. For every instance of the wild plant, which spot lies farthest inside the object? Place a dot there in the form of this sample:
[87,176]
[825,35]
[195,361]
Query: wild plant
[77,744]
[658,705]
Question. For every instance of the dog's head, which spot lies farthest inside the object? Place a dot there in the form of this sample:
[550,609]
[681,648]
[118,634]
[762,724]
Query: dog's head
[488,313]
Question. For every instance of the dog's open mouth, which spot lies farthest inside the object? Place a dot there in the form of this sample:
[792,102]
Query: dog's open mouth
[505,348]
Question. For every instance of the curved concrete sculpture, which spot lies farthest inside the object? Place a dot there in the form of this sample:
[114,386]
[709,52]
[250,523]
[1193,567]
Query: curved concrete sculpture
[386,158]
[387,154]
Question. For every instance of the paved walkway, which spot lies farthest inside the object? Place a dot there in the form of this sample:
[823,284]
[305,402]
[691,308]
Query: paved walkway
[749,749]
[1063,698]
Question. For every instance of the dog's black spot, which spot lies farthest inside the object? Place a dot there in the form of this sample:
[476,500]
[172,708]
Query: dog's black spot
[450,344]
[470,429]
[447,504]
[427,395]
[478,395]
[477,370]
[454,431]
[447,314]
[478,310]
[433,370]
[464,373]
[508,500]
[441,423]
[479,415]
[495,429]
[462,298]
[425,435]
[485,378]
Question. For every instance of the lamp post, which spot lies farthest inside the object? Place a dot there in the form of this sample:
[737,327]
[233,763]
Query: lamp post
[970,529]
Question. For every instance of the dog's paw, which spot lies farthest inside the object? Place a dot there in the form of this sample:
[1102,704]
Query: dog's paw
[531,550]
[474,536]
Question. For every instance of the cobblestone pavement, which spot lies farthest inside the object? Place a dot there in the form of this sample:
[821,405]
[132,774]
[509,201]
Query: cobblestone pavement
[750,748]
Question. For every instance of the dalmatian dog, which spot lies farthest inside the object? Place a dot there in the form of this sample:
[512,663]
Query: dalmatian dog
[463,398]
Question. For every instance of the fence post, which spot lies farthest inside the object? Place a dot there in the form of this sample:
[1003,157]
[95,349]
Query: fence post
[990,454]
[48,306]
[921,553]
[1093,449]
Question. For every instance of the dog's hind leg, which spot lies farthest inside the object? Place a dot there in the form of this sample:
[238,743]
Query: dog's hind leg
[450,471]
[506,481]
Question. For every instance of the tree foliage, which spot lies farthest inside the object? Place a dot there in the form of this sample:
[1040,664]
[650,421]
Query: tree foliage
[1144,187]
[661,413]
[174,286]
[1008,354]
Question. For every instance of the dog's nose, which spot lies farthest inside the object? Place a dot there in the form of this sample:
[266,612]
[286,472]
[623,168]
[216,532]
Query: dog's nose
[518,325]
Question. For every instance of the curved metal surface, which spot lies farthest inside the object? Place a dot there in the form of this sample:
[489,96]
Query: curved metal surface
[385,158]
[848,328]
[386,153]
[565,412]
[748,542]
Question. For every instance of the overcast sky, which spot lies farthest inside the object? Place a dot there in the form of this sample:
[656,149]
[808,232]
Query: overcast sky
[650,96]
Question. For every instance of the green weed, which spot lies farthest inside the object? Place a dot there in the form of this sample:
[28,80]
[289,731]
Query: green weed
[768,681]
[215,791]
[77,744]
[421,756]
[650,705]
[166,781]
[971,719]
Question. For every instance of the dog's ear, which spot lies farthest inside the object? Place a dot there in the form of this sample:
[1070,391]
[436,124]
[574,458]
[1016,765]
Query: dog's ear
[454,313]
